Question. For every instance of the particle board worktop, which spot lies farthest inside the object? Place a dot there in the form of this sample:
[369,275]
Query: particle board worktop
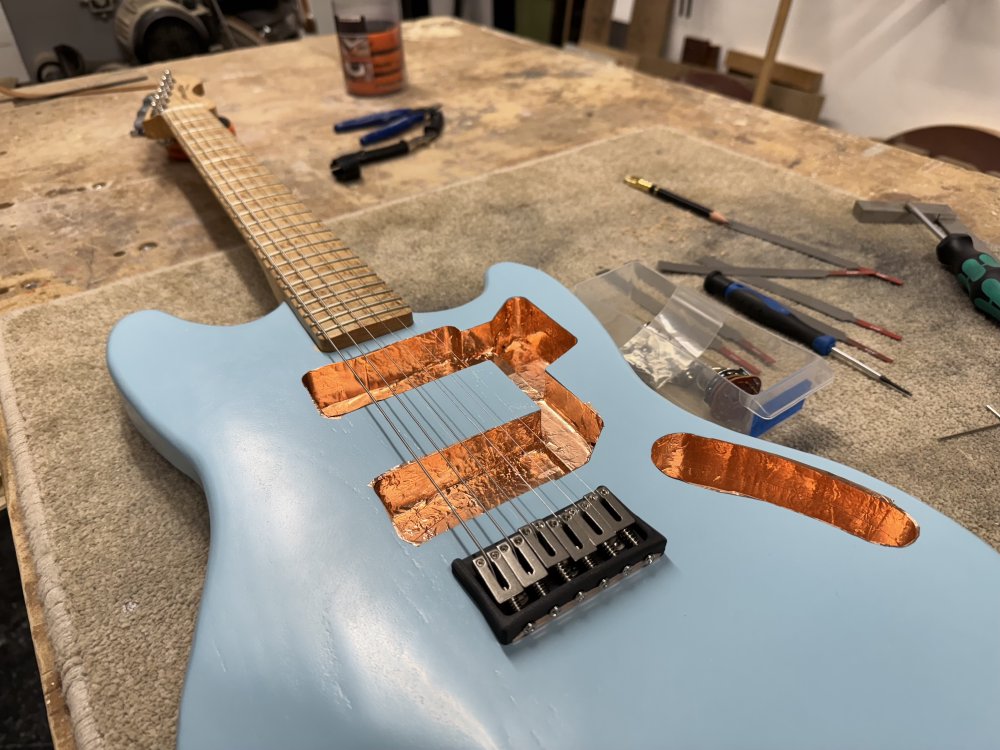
[83,204]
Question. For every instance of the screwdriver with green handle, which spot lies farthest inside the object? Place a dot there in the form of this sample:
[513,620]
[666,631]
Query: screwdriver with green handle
[772,314]
[977,272]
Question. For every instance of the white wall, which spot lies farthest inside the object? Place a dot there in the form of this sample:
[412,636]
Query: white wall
[888,65]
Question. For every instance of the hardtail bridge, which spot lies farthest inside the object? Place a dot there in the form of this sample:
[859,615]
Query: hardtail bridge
[546,568]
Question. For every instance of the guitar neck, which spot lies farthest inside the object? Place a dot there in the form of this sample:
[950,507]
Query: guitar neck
[338,298]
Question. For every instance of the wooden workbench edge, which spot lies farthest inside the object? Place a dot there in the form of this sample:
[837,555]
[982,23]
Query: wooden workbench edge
[60,724]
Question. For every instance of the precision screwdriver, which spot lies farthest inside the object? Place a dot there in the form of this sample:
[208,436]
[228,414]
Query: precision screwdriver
[774,315]
[977,272]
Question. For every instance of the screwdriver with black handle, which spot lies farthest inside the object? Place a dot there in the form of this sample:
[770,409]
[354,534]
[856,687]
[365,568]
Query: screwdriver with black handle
[772,314]
[977,272]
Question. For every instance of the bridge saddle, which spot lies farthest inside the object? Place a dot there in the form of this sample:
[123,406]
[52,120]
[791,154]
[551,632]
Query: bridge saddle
[556,563]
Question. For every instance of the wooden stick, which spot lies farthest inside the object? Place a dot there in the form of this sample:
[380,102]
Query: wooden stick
[777,29]
[109,87]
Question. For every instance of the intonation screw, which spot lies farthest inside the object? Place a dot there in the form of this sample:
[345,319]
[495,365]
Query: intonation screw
[630,536]
[580,596]
[649,559]
[626,570]
[529,628]
[564,571]
[554,611]
[604,583]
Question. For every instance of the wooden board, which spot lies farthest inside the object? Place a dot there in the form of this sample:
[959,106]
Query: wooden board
[792,76]
[779,98]
[596,26]
[649,27]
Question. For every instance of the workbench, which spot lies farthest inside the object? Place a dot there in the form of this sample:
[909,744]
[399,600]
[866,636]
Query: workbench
[82,206]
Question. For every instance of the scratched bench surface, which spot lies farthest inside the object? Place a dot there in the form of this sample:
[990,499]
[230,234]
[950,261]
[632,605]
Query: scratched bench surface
[88,206]
[82,204]
[129,535]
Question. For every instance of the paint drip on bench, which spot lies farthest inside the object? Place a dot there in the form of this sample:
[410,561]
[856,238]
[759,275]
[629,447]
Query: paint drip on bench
[371,46]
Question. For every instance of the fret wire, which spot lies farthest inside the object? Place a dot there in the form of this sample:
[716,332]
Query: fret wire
[224,159]
[259,197]
[202,130]
[221,136]
[320,254]
[337,271]
[285,191]
[265,209]
[370,315]
[371,294]
[225,142]
[292,237]
[274,218]
[303,212]
[387,294]
[279,205]
[336,315]
[357,288]
[259,173]
[226,148]
[317,275]
[325,274]
[222,179]
[329,263]
[300,248]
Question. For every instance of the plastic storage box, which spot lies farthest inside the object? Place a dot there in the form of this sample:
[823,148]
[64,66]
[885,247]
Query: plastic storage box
[701,356]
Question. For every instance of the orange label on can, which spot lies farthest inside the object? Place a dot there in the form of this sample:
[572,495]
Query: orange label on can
[373,61]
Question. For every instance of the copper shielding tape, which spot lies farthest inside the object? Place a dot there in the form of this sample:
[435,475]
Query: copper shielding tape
[485,470]
[753,473]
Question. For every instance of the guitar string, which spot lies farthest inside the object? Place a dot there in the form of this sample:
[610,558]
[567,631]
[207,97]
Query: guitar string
[397,430]
[446,422]
[449,423]
[338,273]
[369,364]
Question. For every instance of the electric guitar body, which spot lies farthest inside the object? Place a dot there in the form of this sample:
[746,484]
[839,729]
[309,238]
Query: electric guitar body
[797,603]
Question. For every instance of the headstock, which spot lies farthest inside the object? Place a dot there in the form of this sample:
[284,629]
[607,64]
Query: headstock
[173,92]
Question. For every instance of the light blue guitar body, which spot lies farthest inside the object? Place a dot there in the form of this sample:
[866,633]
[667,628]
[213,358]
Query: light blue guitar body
[320,628]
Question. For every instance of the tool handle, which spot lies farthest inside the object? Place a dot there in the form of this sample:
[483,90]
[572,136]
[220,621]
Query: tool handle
[681,202]
[378,118]
[397,126]
[978,273]
[347,168]
[768,312]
